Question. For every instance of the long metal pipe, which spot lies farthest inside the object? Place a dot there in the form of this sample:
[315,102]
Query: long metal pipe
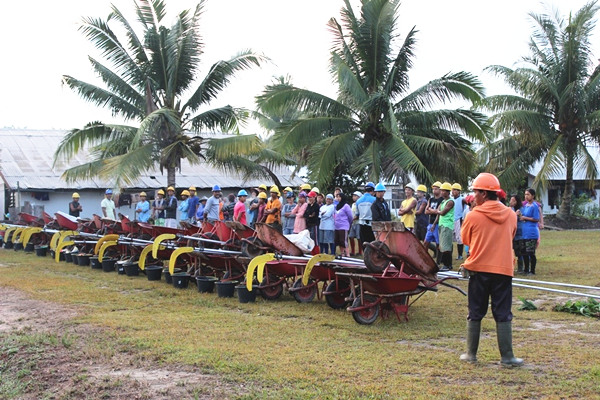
[521,285]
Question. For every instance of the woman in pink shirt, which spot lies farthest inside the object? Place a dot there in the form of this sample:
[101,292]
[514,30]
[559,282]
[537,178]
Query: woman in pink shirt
[298,211]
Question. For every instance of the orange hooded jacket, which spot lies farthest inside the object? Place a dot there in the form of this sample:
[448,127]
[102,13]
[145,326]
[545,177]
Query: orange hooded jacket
[489,230]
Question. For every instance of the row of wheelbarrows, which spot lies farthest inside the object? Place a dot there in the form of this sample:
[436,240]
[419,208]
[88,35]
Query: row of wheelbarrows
[395,272]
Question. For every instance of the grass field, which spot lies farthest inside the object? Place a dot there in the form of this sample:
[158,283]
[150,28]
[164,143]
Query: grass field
[283,349]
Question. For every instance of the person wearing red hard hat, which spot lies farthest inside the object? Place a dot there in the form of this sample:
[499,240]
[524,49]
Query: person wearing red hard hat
[311,216]
[488,230]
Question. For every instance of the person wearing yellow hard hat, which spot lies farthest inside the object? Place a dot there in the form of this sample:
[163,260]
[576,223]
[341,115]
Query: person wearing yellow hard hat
[305,187]
[459,209]
[183,206]
[142,208]
[421,219]
[262,204]
[432,236]
[193,203]
[446,226]
[171,208]
[273,209]
[75,206]
[158,208]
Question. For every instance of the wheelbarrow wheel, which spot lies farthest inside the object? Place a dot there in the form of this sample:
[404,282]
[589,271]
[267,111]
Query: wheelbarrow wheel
[305,295]
[211,236]
[375,260]
[368,315]
[251,247]
[337,301]
[271,292]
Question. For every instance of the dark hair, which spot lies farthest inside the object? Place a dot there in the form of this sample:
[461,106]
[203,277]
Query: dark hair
[254,190]
[343,201]
[489,194]
[231,197]
[518,200]
[531,191]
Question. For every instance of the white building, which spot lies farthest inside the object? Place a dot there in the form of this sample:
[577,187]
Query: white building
[27,178]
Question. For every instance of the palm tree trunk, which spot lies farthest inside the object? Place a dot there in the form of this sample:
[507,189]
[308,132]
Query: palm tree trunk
[565,206]
[171,176]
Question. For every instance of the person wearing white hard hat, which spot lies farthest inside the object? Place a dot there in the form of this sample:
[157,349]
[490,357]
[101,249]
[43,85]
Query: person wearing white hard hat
[142,209]
[407,207]
[75,206]
[288,218]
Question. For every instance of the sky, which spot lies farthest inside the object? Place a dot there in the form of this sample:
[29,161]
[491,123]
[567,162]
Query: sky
[40,43]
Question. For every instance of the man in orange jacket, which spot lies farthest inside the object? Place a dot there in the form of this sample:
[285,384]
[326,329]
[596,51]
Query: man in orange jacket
[488,230]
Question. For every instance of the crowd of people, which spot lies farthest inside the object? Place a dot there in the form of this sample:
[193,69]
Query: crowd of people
[338,220]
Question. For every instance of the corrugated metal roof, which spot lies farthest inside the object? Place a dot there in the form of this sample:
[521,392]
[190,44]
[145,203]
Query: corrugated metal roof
[26,157]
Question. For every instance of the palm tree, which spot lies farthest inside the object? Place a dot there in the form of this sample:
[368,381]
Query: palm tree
[376,125]
[555,112]
[145,83]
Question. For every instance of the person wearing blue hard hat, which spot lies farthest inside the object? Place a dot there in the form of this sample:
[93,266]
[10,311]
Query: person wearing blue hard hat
[380,210]
[239,210]
[363,205]
[288,219]
[108,205]
[212,207]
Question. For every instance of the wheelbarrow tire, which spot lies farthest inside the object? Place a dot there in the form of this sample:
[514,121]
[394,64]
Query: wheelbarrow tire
[369,315]
[374,259]
[273,292]
[304,295]
[211,236]
[337,301]
[251,247]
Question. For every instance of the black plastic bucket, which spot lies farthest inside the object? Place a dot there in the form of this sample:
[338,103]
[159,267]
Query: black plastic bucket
[226,288]
[18,246]
[245,295]
[29,247]
[83,259]
[68,257]
[95,263]
[168,275]
[206,284]
[8,245]
[154,272]
[120,266]
[41,251]
[131,268]
[181,280]
[108,264]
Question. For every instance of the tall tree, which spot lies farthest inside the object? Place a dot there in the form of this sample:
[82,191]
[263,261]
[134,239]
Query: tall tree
[376,125]
[146,77]
[555,113]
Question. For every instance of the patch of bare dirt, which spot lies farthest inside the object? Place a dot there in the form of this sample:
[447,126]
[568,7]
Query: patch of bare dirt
[75,366]
[573,222]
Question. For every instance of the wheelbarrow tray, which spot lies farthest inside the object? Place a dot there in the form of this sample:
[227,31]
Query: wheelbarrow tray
[284,268]
[31,220]
[271,237]
[241,230]
[404,245]
[66,221]
[384,285]
[154,230]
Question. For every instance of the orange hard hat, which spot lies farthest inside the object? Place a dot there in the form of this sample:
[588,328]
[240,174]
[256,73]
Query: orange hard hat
[486,181]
